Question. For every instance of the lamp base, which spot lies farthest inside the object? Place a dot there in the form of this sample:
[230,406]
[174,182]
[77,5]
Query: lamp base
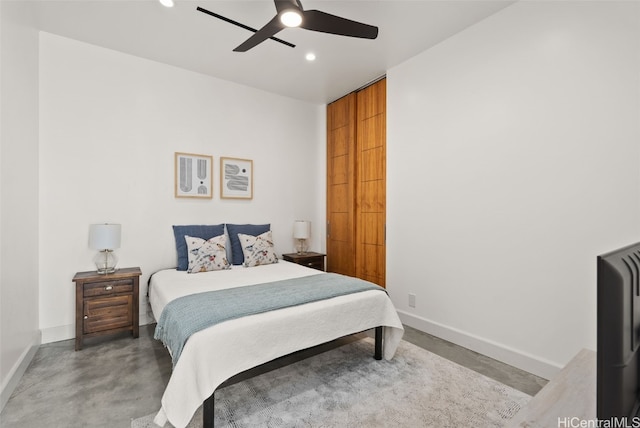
[302,246]
[105,262]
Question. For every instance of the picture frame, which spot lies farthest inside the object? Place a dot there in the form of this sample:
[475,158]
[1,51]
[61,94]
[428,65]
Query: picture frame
[193,175]
[236,178]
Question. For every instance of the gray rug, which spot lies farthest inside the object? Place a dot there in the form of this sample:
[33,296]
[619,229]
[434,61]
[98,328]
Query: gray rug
[346,387]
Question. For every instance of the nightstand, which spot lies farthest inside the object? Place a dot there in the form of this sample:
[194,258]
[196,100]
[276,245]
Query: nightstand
[308,259]
[106,304]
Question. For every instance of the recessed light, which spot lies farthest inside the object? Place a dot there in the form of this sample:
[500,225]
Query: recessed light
[166,3]
[310,56]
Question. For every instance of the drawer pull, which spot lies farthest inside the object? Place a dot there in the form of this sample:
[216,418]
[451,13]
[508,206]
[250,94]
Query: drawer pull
[108,287]
[86,317]
[310,264]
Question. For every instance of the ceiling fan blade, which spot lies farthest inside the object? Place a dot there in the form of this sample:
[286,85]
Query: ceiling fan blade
[316,20]
[261,35]
[282,5]
[246,27]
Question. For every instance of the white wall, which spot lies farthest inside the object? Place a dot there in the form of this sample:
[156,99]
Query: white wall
[513,161]
[19,333]
[520,136]
[109,126]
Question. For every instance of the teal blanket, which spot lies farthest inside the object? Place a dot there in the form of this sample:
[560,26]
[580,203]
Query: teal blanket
[187,315]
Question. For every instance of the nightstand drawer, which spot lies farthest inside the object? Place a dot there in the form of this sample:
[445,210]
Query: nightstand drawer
[107,288]
[314,264]
[309,259]
[107,314]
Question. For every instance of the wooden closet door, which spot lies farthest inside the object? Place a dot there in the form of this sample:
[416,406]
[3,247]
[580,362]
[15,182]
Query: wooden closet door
[341,141]
[371,183]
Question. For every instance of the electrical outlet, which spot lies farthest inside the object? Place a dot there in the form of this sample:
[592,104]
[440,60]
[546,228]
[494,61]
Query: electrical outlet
[412,300]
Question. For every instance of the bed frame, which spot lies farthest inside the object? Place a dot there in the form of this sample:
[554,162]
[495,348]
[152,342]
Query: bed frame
[208,404]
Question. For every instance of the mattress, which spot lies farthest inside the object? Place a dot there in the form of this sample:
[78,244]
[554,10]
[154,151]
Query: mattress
[217,353]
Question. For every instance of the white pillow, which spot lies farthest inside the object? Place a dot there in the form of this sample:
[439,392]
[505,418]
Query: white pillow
[257,250]
[207,255]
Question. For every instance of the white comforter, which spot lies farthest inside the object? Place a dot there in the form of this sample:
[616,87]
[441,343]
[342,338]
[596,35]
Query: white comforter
[213,355]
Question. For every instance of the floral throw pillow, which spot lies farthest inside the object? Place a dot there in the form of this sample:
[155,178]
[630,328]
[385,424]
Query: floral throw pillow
[258,250]
[207,255]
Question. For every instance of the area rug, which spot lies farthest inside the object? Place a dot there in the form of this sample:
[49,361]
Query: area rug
[346,387]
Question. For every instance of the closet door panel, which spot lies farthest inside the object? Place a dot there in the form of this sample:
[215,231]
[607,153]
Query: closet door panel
[373,131]
[371,183]
[356,184]
[372,229]
[341,141]
[373,264]
[340,170]
[339,197]
[373,164]
[372,100]
[341,113]
[340,227]
[340,244]
[372,197]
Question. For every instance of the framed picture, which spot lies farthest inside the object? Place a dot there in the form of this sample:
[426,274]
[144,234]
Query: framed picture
[193,176]
[236,178]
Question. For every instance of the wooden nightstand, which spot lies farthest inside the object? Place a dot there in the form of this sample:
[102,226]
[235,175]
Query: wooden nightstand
[308,259]
[106,304]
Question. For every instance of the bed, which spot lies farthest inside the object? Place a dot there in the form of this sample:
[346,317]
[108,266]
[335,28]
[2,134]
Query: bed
[216,353]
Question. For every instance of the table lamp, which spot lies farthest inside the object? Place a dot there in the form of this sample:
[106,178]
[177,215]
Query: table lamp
[301,233]
[105,238]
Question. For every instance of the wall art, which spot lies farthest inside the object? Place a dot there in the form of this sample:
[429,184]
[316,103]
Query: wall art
[236,178]
[193,176]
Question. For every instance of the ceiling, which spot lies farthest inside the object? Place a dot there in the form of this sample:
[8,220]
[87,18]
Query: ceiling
[183,37]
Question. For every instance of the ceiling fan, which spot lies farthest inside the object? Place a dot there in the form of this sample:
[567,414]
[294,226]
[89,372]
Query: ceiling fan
[291,14]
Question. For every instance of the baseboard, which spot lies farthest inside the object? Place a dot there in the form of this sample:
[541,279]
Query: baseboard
[529,363]
[12,380]
[56,334]
[146,319]
[66,332]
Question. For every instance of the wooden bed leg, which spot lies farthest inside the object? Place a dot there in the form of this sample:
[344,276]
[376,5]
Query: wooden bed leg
[378,347]
[207,412]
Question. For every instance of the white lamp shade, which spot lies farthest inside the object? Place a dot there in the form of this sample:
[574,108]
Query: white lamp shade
[104,236]
[301,229]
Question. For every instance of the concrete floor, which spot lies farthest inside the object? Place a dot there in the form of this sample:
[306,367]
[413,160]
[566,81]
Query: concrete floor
[114,380]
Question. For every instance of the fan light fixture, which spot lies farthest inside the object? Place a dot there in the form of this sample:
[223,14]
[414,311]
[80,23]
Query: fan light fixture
[291,18]
[166,3]
[289,13]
